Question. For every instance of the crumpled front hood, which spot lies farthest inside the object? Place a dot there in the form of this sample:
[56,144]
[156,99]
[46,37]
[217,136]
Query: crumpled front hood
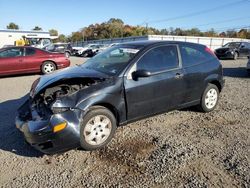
[71,72]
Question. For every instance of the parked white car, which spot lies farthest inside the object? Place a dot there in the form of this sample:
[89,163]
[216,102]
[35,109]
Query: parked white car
[111,45]
[90,50]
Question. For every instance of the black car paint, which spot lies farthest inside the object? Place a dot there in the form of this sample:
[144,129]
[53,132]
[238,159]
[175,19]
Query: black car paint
[128,99]
[61,48]
[243,50]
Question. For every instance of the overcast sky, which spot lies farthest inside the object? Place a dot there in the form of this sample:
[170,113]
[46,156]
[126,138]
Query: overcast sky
[71,15]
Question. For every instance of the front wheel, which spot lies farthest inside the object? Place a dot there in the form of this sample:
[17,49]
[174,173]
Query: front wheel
[97,128]
[209,98]
[67,54]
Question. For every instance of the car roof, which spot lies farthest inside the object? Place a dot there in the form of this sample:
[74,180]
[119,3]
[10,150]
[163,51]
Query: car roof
[20,47]
[154,42]
[235,42]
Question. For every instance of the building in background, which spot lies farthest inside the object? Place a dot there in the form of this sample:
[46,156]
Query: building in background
[39,39]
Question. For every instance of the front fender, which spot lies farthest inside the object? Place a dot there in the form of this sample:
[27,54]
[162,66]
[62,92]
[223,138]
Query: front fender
[115,101]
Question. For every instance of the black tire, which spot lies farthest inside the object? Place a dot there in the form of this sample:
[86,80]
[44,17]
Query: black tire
[248,72]
[236,55]
[67,54]
[48,67]
[203,105]
[84,133]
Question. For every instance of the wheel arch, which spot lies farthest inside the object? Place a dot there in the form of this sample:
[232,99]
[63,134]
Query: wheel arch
[110,107]
[217,83]
[215,79]
[49,60]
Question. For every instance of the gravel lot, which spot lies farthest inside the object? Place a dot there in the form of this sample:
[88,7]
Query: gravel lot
[177,149]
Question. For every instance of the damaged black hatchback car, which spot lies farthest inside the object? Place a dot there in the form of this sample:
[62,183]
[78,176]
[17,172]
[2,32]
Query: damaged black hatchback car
[81,106]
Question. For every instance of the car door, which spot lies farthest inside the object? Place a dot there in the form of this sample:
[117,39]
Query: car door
[244,51]
[11,60]
[248,48]
[159,92]
[195,63]
[31,61]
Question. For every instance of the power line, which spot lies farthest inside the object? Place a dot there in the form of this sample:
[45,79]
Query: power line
[198,12]
[229,28]
[223,21]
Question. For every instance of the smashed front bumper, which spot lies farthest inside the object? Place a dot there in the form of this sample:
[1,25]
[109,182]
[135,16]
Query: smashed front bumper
[38,132]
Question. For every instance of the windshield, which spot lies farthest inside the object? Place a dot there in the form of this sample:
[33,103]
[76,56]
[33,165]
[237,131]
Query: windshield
[232,45]
[112,60]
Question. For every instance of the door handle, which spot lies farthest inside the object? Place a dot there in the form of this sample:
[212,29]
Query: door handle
[178,75]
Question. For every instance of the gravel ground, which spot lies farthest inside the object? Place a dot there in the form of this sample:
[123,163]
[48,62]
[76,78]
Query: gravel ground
[177,149]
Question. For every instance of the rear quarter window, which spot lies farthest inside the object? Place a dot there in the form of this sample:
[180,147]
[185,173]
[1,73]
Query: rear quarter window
[30,51]
[193,55]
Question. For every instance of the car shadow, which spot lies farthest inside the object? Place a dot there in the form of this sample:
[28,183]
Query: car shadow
[191,109]
[237,72]
[11,138]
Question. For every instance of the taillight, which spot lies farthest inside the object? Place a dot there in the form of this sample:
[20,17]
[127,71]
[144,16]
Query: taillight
[210,51]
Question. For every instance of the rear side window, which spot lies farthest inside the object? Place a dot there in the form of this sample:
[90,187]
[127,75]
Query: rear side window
[192,55]
[30,51]
[159,59]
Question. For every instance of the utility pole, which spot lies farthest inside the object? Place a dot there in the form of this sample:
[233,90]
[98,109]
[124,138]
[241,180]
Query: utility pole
[83,33]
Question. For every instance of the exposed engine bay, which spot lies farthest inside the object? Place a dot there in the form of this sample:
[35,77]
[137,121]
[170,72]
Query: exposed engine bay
[45,98]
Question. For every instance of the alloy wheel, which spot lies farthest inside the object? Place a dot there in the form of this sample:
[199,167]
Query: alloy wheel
[97,130]
[211,98]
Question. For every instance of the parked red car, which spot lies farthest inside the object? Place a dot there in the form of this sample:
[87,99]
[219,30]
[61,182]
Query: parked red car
[26,59]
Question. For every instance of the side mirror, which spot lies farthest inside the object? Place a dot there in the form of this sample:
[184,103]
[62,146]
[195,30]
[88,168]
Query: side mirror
[140,73]
[242,46]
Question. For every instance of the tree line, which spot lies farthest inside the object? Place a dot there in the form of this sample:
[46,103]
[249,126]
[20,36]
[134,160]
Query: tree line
[116,28]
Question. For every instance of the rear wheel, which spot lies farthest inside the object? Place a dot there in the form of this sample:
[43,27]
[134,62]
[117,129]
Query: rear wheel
[210,98]
[48,67]
[248,72]
[97,128]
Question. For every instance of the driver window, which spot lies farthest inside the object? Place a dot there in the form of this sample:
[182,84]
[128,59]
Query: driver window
[13,52]
[159,59]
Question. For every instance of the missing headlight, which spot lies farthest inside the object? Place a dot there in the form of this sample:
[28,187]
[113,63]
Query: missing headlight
[58,110]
